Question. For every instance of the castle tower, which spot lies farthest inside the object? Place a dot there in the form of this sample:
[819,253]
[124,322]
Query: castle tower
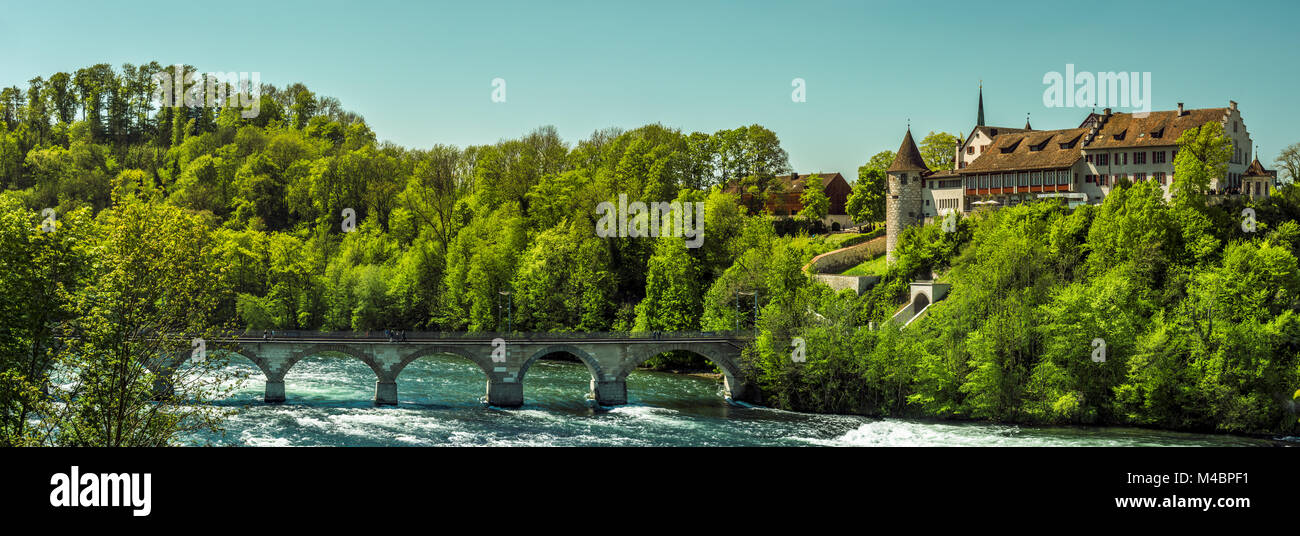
[903,206]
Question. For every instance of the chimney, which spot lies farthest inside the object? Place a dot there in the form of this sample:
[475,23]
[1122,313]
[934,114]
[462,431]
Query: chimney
[1180,109]
[1105,112]
[1232,105]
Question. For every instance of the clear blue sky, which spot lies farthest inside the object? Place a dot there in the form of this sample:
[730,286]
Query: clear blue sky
[421,73]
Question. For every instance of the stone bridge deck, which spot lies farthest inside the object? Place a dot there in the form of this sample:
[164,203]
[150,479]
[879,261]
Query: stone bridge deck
[504,358]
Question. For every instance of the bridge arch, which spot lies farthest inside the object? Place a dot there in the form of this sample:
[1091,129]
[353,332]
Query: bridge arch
[722,358]
[325,349]
[484,364]
[593,366]
[251,356]
[725,357]
[164,369]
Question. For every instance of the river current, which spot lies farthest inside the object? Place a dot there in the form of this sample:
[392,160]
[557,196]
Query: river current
[329,404]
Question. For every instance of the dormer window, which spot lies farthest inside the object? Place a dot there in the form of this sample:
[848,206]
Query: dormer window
[1121,134]
[1158,133]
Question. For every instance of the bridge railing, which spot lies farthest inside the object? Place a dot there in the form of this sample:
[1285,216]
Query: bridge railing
[471,335]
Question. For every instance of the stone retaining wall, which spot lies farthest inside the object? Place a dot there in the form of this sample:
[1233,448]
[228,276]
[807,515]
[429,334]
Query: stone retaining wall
[828,266]
[835,262]
[858,283]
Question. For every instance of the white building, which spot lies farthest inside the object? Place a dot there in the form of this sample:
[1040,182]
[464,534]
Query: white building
[1001,166]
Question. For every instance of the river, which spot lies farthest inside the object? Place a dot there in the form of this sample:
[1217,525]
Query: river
[328,404]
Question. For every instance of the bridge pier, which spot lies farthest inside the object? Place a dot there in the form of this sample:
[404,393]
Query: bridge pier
[738,390]
[385,393]
[274,391]
[505,394]
[609,393]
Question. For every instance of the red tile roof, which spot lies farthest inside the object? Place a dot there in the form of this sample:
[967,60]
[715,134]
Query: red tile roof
[1034,149]
[1128,130]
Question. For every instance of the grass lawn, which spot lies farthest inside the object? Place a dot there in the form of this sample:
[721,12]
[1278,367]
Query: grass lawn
[874,266]
[840,238]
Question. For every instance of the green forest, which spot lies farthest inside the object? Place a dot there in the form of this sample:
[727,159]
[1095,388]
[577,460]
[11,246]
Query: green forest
[121,218]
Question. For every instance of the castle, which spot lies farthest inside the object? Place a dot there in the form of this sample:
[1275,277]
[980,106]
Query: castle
[1000,166]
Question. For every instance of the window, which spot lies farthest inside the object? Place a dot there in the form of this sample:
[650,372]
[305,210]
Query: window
[1138,177]
[1159,176]
[1140,157]
[970,149]
[1087,178]
[1125,158]
[1103,159]
[1088,158]
[1158,157]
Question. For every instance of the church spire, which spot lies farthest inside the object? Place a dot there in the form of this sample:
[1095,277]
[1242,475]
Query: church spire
[979,121]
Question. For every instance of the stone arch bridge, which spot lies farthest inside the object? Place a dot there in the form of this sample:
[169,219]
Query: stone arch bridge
[504,358]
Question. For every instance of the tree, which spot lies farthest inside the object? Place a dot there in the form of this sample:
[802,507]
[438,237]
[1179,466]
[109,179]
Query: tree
[62,97]
[867,202]
[815,203]
[10,101]
[1289,160]
[42,273]
[938,150]
[1202,158]
[672,301]
[38,115]
[304,107]
[752,154]
[92,83]
[156,289]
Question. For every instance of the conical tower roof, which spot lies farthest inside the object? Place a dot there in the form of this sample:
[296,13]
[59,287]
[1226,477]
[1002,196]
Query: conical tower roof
[1256,169]
[908,157]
